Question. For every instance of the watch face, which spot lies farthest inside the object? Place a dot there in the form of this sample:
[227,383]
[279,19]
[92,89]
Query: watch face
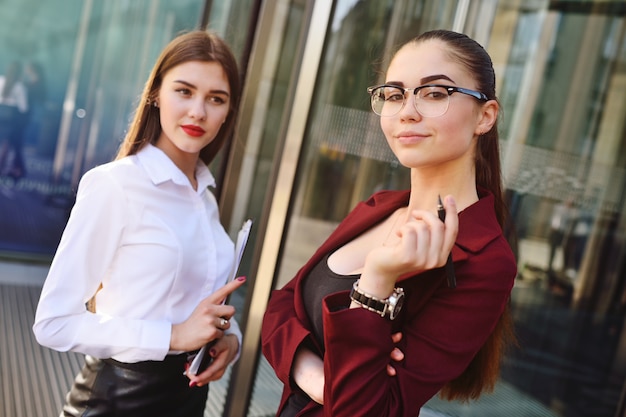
[395,303]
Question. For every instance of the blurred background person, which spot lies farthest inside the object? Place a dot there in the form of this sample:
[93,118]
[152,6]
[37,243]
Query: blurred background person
[36,90]
[13,108]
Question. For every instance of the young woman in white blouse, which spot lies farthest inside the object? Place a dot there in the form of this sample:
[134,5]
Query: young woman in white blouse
[144,236]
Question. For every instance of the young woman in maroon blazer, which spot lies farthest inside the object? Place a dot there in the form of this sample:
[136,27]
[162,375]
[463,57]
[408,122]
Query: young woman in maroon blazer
[378,321]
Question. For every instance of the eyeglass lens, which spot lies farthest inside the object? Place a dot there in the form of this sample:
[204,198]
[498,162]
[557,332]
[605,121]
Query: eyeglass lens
[430,101]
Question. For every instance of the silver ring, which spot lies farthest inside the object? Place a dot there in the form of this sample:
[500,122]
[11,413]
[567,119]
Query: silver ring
[223,322]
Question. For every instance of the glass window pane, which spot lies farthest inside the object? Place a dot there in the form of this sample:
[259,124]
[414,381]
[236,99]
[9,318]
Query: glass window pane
[563,139]
[84,65]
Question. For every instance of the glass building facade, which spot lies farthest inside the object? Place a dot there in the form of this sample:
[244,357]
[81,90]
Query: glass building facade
[307,149]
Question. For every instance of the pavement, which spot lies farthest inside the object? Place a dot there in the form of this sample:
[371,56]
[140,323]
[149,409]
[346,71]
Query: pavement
[34,379]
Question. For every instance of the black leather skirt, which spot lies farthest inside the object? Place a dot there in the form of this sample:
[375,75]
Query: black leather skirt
[107,388]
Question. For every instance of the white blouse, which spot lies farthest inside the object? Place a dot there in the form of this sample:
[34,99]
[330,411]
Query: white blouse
[17,96]
[156,245]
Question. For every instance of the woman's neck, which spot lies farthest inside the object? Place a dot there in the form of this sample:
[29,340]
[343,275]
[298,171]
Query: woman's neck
[427,187]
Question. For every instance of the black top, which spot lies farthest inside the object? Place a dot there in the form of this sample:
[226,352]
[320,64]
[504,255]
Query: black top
[317,285]
[320,283]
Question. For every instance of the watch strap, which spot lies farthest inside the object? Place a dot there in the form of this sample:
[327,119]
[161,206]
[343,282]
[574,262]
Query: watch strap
[367,301]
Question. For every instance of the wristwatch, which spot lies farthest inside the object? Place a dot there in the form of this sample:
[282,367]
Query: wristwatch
[387,308]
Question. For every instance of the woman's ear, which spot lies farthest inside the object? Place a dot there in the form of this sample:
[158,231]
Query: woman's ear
[488,116]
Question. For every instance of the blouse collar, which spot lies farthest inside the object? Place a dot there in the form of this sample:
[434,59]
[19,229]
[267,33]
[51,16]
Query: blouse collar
[161,168]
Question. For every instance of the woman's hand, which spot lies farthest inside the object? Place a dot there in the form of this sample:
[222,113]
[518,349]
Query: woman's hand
[308,370]
[424,243]
[223,353]
[396,354]
[207,322]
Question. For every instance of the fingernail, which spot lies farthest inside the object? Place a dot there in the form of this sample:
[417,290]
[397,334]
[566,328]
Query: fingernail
[241,279]
[213,352]
[192,384]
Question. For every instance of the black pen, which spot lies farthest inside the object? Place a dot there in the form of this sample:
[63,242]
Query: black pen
[441,212]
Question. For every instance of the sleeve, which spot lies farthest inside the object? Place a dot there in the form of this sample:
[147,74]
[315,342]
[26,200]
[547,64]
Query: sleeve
[87,247]
[235,330]
[439,341]
[282,332]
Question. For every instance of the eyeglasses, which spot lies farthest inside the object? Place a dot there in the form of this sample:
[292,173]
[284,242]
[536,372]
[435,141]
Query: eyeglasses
[430,100]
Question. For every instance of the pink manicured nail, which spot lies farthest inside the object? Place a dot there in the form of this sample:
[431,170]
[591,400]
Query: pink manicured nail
[213,352]
[241,278]
[192,384]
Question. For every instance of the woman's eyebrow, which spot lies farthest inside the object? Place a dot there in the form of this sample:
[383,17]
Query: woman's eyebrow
[430,78]
[424,80]
[190,85]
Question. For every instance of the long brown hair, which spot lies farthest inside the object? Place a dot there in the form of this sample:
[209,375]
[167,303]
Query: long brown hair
[483,371]
[191,46]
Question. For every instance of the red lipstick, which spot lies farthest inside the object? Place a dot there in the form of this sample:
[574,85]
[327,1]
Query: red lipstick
[193,130]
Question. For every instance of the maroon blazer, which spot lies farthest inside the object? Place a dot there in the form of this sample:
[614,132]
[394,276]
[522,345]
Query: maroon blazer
[443,328]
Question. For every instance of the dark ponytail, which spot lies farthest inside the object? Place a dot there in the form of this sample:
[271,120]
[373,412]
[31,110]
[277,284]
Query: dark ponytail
[482,373]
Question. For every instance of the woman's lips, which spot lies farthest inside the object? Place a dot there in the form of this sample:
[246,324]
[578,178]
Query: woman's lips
[192,130]
[410,137]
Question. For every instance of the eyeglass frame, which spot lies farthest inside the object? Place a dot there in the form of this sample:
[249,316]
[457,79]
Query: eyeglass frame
[449,88]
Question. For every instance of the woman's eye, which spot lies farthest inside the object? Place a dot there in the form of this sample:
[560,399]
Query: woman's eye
[434,94]
[184,91]
[217,100]
[395,97]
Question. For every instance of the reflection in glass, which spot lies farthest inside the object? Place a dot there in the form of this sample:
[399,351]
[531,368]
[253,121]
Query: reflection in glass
[82,65]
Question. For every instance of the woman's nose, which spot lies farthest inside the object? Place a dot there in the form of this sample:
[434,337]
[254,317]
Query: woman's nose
[198,110]
[409,110]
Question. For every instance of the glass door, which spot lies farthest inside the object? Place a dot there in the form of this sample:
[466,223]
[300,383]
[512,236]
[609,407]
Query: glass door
[84,65]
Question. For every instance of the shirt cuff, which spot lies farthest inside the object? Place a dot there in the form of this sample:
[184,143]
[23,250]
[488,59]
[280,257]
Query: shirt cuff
[338,301]
[153,343]
[234,329]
